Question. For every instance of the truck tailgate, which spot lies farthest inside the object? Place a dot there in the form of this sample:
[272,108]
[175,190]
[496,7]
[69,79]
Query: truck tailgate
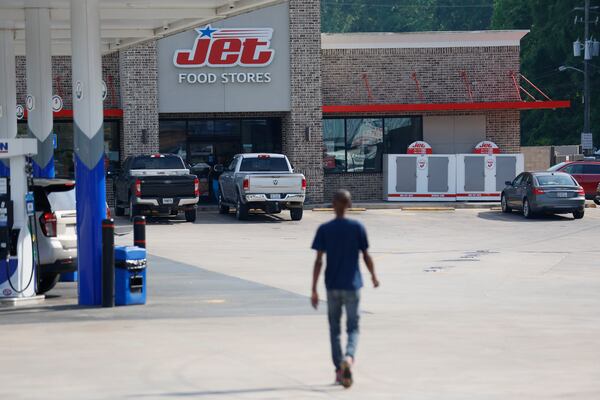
[274,183]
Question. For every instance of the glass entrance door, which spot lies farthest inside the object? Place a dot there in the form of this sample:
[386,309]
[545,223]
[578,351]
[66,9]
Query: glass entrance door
[203,143]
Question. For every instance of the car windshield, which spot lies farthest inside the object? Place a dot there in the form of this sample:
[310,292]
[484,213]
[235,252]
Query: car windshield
[62,201]
[555,180]
[557,166]
[154,162]
[266,164]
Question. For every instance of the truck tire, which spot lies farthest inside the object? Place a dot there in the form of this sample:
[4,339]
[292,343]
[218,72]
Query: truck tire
[241,211]
[578,214]
[296,213]
[47,283]
[190,215]
[223,209]
[597,200]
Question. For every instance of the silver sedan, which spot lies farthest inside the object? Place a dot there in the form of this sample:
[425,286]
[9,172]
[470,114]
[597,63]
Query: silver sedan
[544,192]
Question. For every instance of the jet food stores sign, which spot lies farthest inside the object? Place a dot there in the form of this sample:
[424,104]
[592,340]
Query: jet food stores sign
[240,64]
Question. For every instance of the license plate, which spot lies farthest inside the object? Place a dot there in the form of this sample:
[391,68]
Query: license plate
[562,194]
[168,201]
[276,196]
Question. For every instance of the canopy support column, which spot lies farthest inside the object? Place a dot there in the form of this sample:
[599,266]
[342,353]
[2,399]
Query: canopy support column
[89,146]
[8,92]
[39,88]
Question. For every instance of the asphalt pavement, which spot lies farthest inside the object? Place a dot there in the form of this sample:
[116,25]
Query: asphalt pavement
[474,304]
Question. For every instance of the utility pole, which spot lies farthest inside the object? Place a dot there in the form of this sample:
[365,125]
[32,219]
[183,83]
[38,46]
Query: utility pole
[586,73]
[591,48]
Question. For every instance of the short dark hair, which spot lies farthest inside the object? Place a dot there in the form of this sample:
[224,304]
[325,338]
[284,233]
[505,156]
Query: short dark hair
[342,196]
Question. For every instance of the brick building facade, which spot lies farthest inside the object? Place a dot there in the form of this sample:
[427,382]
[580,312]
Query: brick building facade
[409,71]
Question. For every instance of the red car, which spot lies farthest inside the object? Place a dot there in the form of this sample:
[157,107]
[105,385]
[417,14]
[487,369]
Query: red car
[586,173]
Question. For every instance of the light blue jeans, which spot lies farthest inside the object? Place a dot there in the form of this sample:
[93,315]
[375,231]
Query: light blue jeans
[348,299]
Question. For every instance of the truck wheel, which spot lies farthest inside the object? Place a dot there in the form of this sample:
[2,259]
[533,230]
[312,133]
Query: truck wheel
[597,200]
[241,211]
[190,215]
[47,283]
[578,214]
[223,209]
[119,211]
[296,213]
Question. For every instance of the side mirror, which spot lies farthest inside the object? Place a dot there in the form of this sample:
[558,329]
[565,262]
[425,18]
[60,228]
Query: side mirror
[508,183]
[218,168]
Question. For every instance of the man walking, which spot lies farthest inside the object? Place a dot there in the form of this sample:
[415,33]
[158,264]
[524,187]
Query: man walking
[342,240]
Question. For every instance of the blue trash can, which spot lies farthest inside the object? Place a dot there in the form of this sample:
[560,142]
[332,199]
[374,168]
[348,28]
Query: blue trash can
[130,275]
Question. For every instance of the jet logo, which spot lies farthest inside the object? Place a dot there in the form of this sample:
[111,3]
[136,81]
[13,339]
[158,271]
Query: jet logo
[227,47]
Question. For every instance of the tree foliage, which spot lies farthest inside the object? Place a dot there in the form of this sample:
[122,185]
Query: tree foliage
[544,49]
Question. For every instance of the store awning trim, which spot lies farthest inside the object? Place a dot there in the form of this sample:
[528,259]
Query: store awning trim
[475,106]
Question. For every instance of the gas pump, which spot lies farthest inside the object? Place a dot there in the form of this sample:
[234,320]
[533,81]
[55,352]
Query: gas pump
[17,262]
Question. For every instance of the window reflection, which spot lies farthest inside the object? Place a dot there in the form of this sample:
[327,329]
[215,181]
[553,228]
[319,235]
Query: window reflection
[334,145]
[364,144]
[358,144]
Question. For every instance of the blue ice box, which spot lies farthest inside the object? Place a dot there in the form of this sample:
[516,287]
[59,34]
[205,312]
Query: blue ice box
[130,275]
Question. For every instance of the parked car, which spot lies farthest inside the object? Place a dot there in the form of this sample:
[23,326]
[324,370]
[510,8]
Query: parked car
[56,230]
[158,184]
[544,192]
[586,173]
[261,181]
[597,199]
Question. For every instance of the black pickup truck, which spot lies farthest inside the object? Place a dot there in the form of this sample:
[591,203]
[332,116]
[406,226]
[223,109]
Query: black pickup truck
[158,184]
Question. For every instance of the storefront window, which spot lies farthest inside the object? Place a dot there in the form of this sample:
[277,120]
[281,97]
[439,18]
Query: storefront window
[172,137]
[400,133]
[205,142]
[112,143]
[364,142]
[63,154]
[261,136]
[358,144]
[334,145]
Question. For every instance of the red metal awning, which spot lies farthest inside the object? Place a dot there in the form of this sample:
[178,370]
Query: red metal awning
[471,106]
[68,114]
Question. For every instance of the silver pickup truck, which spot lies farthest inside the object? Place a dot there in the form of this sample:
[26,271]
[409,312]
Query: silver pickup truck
[261,181]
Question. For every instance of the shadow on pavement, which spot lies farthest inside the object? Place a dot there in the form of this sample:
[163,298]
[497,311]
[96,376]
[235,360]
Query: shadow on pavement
[175,291]
[307,388]
[515,217]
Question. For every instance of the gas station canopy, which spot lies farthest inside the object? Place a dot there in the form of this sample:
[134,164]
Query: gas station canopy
[124,23]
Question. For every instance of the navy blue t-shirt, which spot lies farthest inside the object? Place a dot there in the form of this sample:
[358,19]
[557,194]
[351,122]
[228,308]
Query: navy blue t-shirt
[342,240]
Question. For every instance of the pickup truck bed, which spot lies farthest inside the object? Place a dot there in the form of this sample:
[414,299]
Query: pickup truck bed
[264,182]
[156,191]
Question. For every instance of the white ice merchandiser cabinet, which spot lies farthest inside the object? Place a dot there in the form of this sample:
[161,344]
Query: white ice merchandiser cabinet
[421,175]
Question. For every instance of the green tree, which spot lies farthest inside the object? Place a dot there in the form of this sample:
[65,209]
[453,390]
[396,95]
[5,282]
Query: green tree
[548,46]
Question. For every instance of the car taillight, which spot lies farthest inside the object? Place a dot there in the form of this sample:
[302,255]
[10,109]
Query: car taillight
[48,224]
[538,191]
[303,183]
[246,184]
[196,187]
[138,188]
[580,191]
[108,213]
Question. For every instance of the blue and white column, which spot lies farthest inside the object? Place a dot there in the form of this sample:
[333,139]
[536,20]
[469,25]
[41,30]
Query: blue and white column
[39,88]
[8,92]
[89,146]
